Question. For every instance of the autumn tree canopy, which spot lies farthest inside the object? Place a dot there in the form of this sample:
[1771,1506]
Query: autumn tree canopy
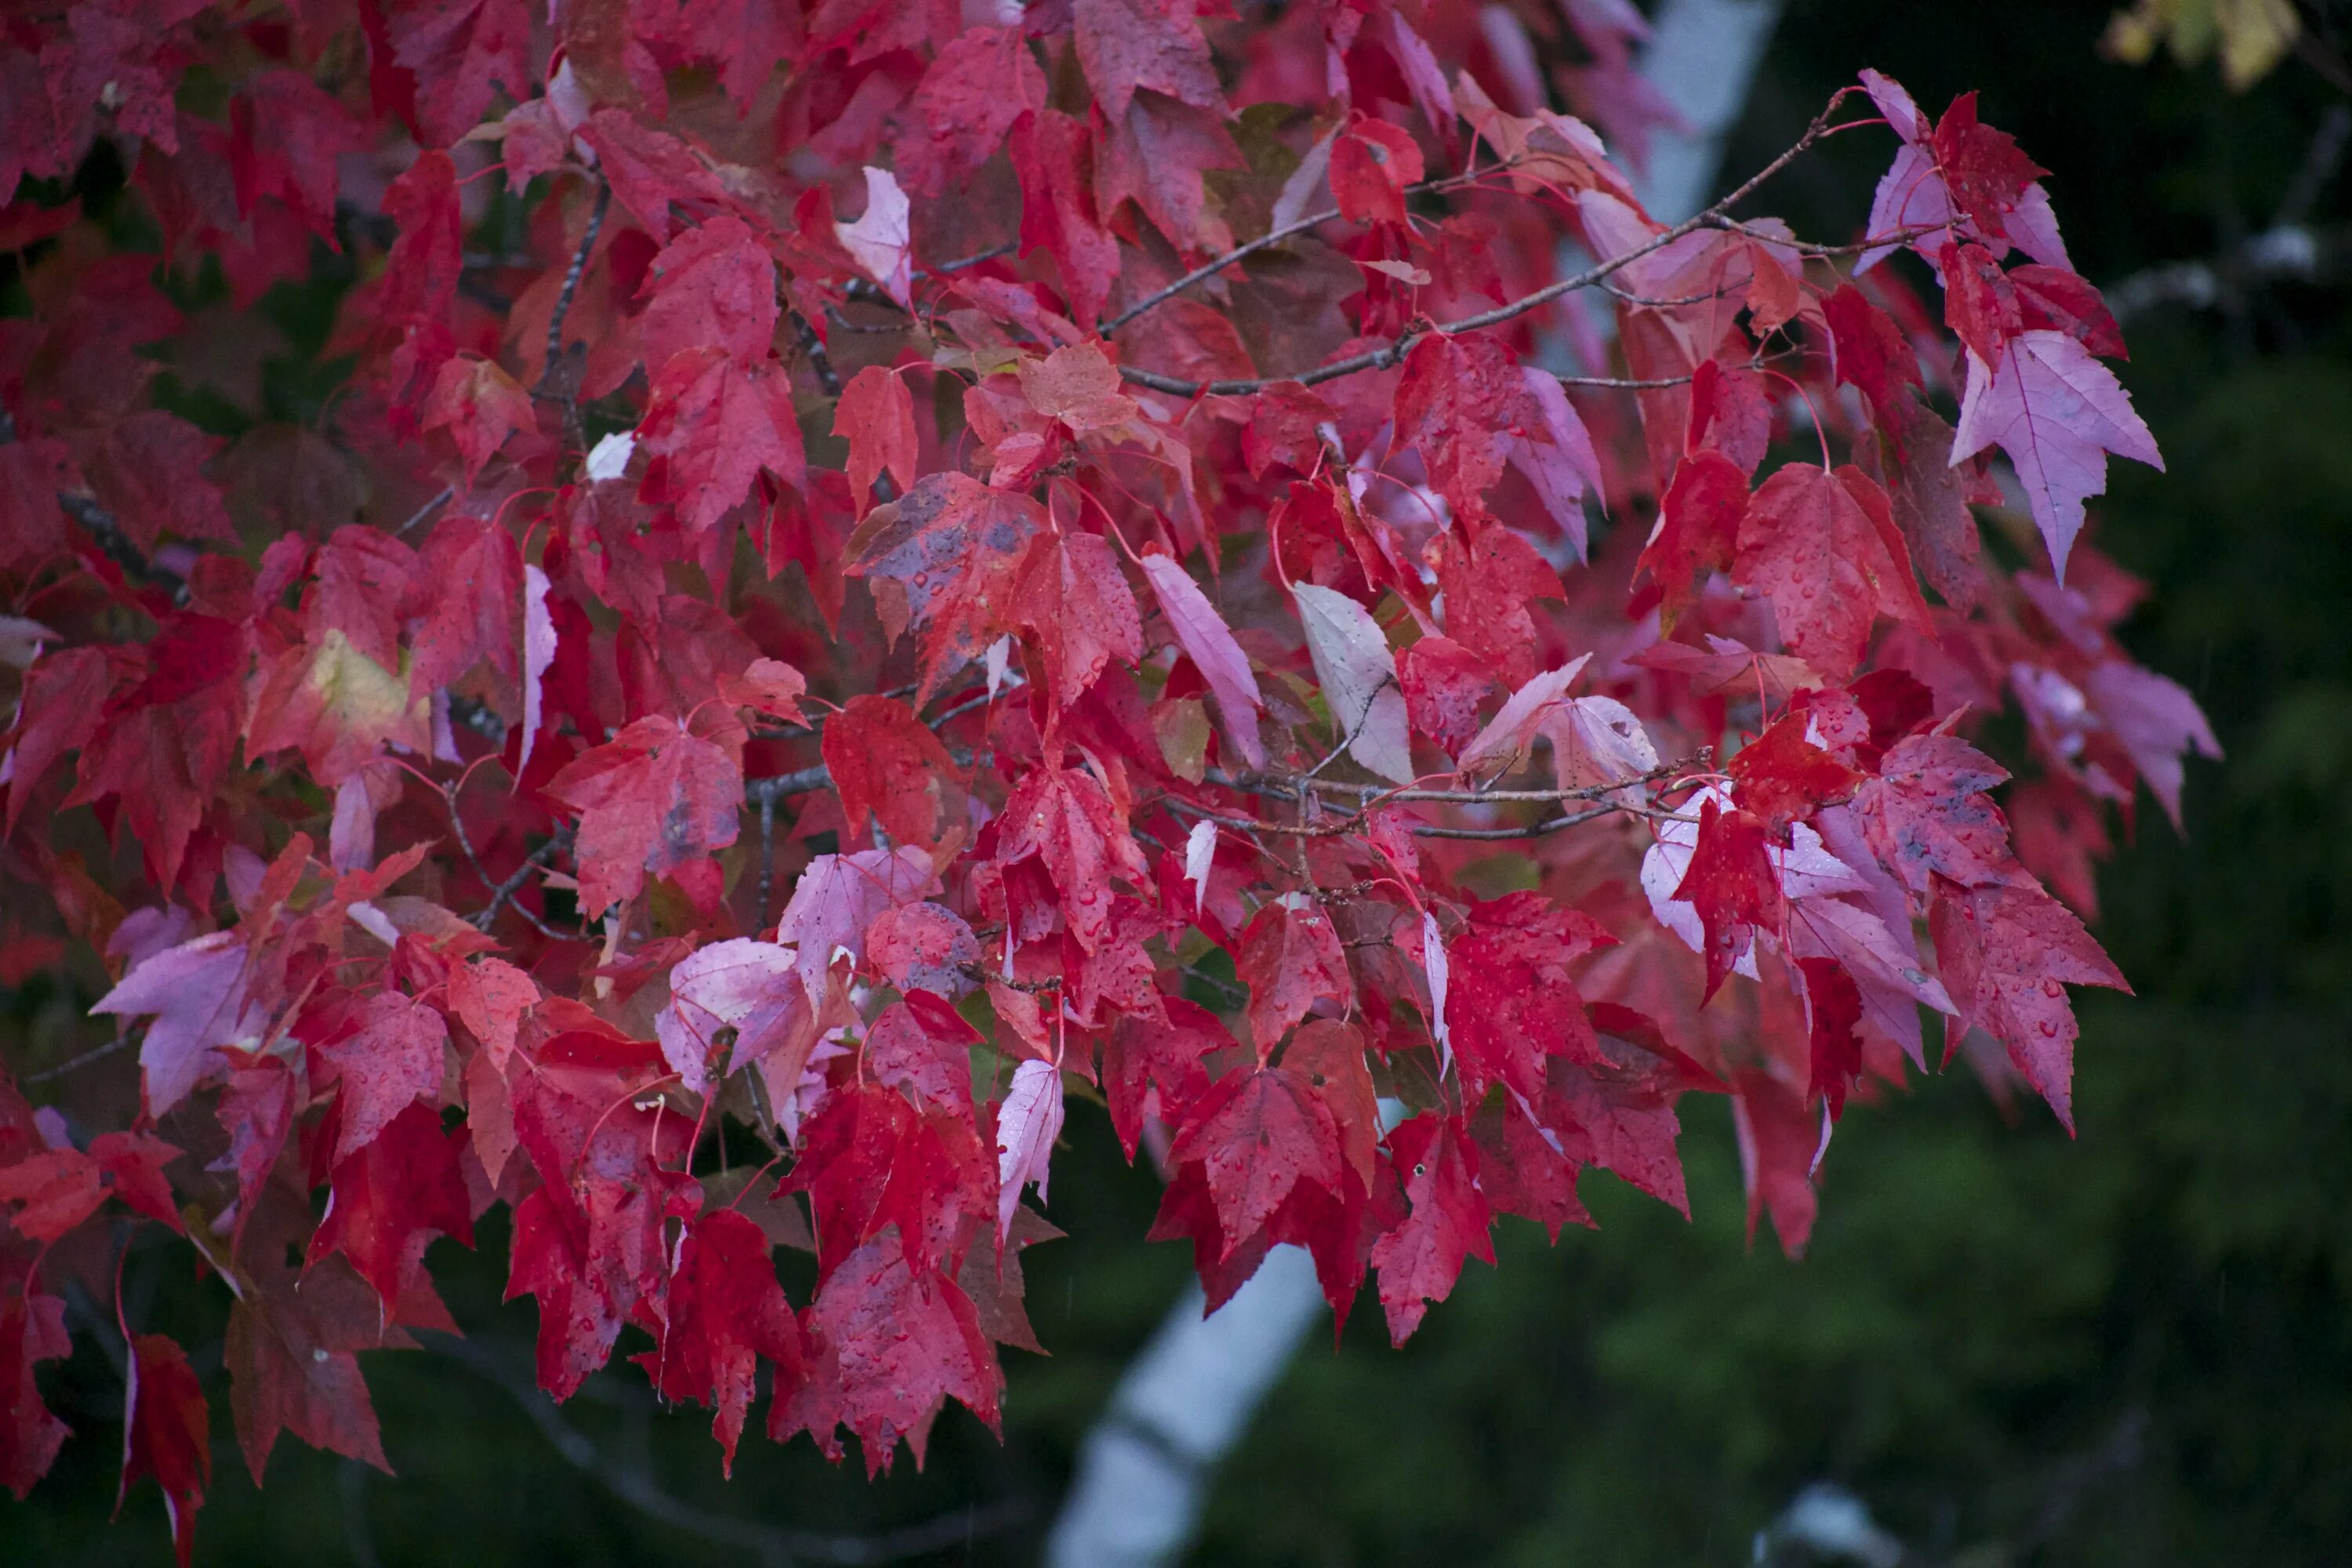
[841,576]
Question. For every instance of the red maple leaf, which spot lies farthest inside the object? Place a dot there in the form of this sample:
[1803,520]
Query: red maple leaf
[590,1243]
[941,561]
[1698,529]
[291,1343]
[1823,548]
[1509,1001]
[59,1188]
[1982,168]
[923,947]
[885,761]
[1834,1013]
[727,1312]
[871,1159]
[481,406]
[1520,1171]
[1129,44]
[461,52]
[1781,776]
[1420,1259]
[1053,157]
[968,100]
[1150,1067]
[1873,354]
[893,1344]
[1372,165]
[657,797]
[1290,959]
[386,1052]
[1928,813]
[1488,581]
[401,1187]
[2008,951]
[922,1046]
[149,473]
[1780,1134]
[712,426]
[877,417]
[1064,817]
[32,1330]
[1458,404]
[1076,602]
[713,286]
[473,574]
[166,1420]
[1258,1134]
[1732,884]
[1444,684]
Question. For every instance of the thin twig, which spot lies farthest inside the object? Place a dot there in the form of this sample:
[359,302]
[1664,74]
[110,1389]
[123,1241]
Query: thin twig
[805,781]
[1012,683]
[108,531]
[428,509]
[984,975]
[1504,835]
[505,890]
[842,324]
[819,361]
[1349,739]
[76,1063]
[1807,248]
[867,292]
[767,856]
[1210,269]
[974,259]
[1390,354]
[1708,298]
[564,383]
[1624,382]
[501,893]
[571,277]
[1417,829]
[1283,788]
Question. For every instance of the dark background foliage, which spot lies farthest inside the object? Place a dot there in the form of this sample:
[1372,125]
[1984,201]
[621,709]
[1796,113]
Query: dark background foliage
[2135,1347]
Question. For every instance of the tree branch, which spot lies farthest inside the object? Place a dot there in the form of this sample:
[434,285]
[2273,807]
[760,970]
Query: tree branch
[805,781]
[865,291]
[571,277]
[1275,237]
[1417,829]
[76,1063]
[819,361]
[505,890]
[501,892]
[1283,789]
[428,509]
[633,1483]
[1381,358]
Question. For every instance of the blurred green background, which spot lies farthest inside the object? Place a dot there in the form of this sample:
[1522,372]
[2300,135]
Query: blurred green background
[2012,1348]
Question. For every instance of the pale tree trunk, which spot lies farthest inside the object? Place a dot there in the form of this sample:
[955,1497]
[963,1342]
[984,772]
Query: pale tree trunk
[1144,1469]
[1181,1405]
[1702,57]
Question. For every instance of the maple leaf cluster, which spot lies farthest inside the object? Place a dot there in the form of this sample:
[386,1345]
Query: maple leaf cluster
[879,569]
